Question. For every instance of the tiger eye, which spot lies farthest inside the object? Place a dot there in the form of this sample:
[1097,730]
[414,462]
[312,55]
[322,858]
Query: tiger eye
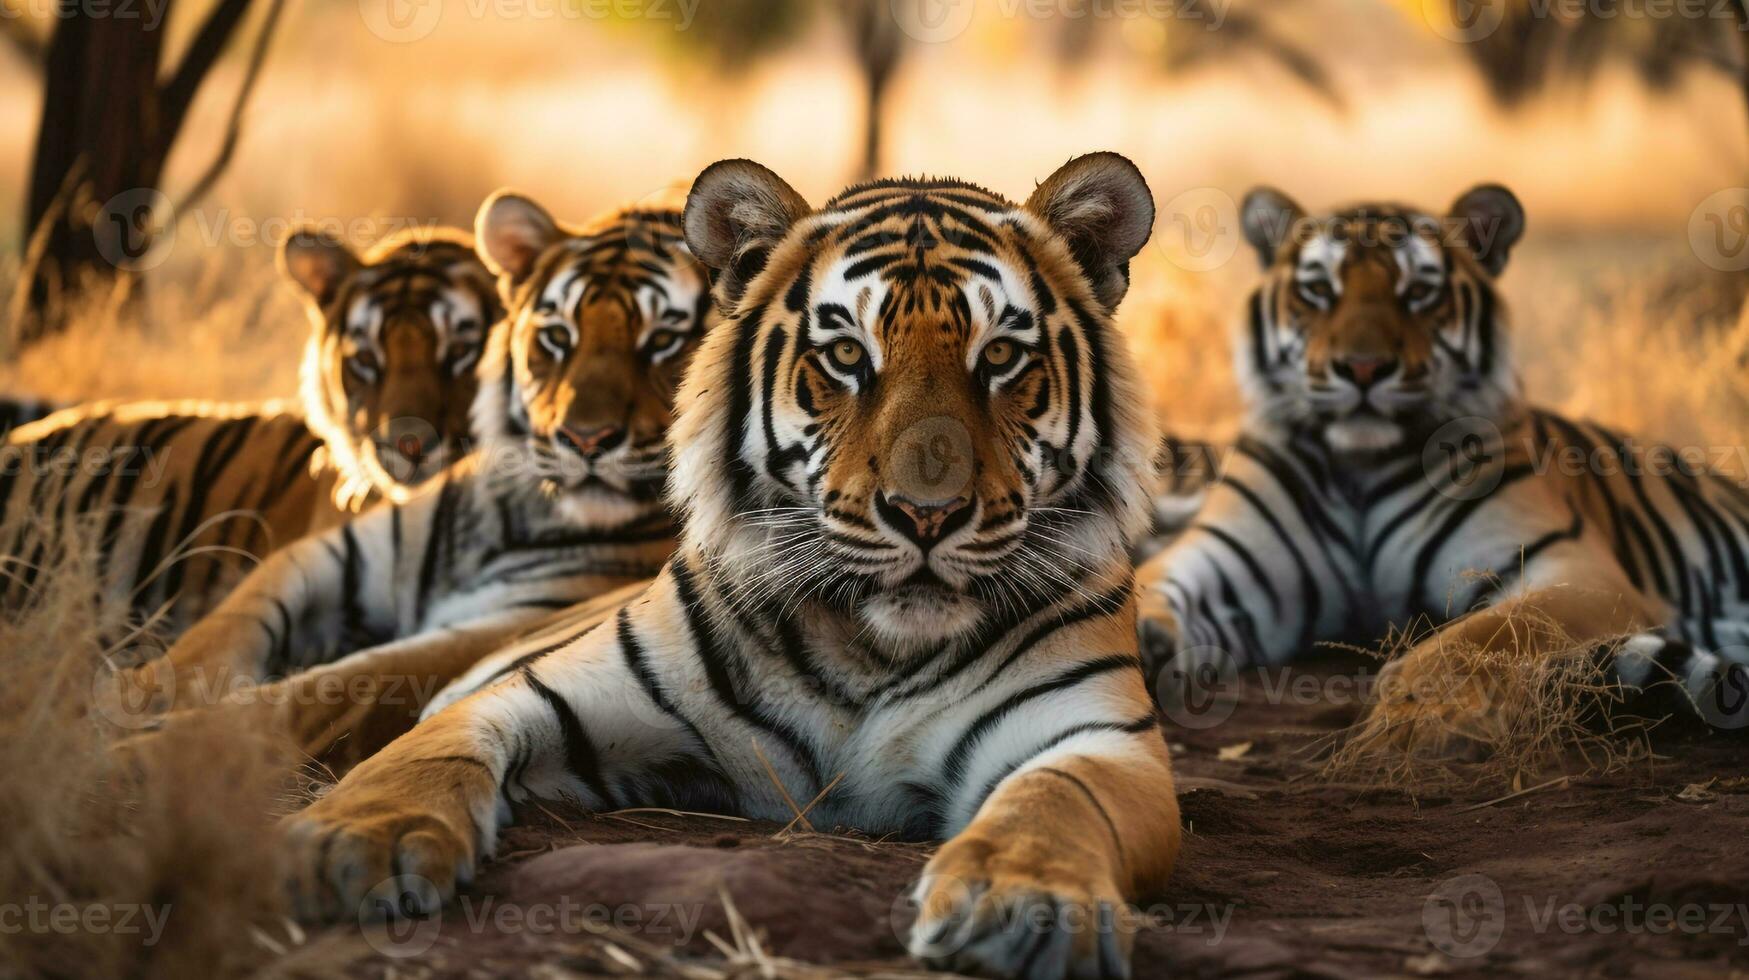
[999,353]
[848,353]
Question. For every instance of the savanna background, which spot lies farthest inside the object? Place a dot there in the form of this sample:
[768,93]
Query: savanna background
[1621,125]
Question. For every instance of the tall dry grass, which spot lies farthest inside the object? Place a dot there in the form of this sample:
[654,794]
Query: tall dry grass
[126,854]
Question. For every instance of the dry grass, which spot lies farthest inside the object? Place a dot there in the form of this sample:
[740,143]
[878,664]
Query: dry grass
[158,853]
[1557,714]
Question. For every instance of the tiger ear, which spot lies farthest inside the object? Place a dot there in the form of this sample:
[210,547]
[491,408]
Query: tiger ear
[1269,218]
[1102,207]
[735,215]
[511,232]
[318,262]
[1489,220]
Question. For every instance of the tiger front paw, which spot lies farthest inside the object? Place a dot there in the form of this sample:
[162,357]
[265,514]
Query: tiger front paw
[369,855]
[982,912]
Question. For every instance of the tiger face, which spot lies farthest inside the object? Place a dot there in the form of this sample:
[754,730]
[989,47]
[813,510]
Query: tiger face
[920,417]
[388,372]
[1378,323]
[578,383]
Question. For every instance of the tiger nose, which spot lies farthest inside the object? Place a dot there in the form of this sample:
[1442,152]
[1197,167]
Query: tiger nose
[590,443]
[924,522]
[1364,370]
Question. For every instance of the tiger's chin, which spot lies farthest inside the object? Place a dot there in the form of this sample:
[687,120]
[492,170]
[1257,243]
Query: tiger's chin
[594,504]
[912,617]
[1363,434]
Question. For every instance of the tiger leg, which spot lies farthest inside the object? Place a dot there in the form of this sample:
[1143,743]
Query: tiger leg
[343,712]
[1468,686]
[1038,884]
[578,723]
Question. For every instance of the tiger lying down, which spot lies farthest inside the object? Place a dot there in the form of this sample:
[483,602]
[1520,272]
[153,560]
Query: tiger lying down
[560,502]
[183,492]
[1391,473]
[840,600]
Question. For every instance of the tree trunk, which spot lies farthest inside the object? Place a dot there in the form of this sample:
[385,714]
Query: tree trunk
[878,46]
[98,139]
[93,203]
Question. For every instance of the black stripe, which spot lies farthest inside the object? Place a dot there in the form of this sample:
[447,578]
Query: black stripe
[581,759]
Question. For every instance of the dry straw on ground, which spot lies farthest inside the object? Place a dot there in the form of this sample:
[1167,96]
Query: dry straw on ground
[172,829]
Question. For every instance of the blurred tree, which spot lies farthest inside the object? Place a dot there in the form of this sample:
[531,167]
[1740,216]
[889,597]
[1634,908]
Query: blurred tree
[1244,34]
[734,34]
[1539,42]
[110,118]
[18,33]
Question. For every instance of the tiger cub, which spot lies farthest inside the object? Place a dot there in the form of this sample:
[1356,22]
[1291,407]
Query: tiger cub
[180,497]
[561,500]
[1391,472]
[909,462]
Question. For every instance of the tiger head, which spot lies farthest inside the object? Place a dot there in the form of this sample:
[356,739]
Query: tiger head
[1377,324]
[388,372]
[919,418]
[577,386]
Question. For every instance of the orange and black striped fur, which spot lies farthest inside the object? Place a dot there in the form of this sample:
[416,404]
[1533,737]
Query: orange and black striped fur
[559,502]
[180,498]
[909,462]
[1391,474]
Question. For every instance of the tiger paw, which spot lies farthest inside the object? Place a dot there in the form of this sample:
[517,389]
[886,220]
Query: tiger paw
[979,915]
[360,853]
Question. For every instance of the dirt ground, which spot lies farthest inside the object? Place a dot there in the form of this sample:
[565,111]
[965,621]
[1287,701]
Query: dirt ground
[1642,872]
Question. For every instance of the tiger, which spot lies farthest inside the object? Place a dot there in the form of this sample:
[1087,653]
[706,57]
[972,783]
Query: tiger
[178,493]
[907,464]
[1391,476]
[560,501]
[16,411]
